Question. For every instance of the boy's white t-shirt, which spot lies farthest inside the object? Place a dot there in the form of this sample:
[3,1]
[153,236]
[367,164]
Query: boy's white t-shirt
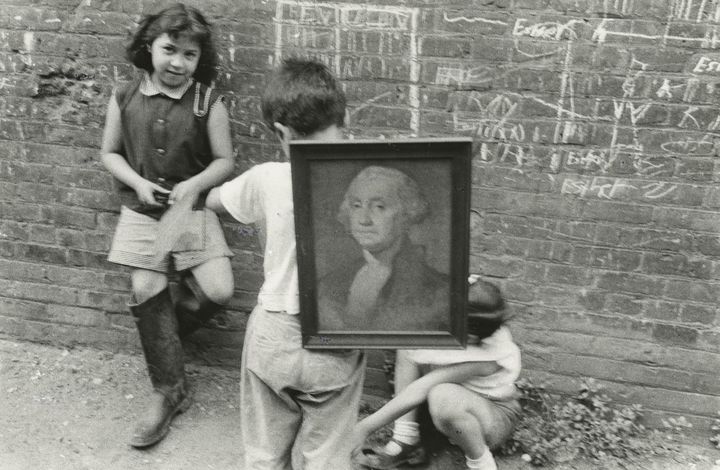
[263,196]
[499,348]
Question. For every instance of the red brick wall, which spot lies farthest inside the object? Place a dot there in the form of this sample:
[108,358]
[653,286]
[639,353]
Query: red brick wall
[595,125]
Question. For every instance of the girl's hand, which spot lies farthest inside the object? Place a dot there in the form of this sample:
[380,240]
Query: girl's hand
[357,440]
[146,190]
[182,190]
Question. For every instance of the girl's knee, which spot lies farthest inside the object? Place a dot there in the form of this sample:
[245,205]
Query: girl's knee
[441,396]
[146,289]
[444,406]
[219,292]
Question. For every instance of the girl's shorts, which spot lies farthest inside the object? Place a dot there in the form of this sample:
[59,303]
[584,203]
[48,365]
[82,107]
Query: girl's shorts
[508,414]
[134,242]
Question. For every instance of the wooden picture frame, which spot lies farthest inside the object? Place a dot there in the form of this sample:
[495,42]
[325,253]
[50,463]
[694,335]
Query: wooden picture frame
[382,231]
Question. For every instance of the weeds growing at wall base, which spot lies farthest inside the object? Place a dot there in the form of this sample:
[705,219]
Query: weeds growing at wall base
[586,425]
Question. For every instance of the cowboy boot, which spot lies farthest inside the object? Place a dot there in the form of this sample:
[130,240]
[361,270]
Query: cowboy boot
[192,307]
[158,330]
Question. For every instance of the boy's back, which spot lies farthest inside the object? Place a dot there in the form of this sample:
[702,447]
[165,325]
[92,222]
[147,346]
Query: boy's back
[290,394]
[263,196]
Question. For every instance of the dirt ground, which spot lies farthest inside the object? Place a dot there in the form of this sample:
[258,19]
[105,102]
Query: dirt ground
[74,409]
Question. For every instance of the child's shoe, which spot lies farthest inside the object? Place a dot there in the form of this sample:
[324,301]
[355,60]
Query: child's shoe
[377,458]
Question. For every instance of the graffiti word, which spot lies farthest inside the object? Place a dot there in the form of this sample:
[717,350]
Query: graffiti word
[459,76]
[551,30]
[612,188]
[635,113]
[706,65]
[516,154]
[688,147]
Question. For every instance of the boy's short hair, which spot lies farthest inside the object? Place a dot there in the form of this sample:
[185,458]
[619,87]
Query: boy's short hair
[486,309]
[303,94]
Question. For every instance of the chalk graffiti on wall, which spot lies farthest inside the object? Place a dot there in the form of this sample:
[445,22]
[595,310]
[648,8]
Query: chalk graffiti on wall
[695,10]
[365,41]
[613,28]
[336,32]
[616,188]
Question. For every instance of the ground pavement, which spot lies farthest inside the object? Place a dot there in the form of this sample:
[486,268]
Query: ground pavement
[74,410]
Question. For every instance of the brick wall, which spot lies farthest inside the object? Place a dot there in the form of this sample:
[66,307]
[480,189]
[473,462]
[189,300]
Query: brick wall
[595,127]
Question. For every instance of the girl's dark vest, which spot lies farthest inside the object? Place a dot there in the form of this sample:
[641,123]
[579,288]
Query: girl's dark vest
[166,140]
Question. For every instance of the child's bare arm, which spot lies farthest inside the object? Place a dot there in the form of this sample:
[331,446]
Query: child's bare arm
[116,163]
[417,392]
[223,163]
[213,202]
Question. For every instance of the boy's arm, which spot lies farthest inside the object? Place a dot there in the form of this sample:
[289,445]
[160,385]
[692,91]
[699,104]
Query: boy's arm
[116,163]
[223,163]
[214,203]
[416,393]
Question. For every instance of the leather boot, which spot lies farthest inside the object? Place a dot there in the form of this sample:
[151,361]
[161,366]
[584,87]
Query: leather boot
[158,328]
[192,307]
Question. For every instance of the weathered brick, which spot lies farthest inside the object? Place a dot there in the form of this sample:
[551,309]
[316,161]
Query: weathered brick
[632,283]
[68,217]
[43,253]
[694,290]
[88,21]
[22,309]
[42,234]
[677,264]
[568,275]
[31,18]
[12,230]
[615,260]
[616,212]
[446,47]
[76,316]
[65,275]
[675,334]
[661,310]
[624,305]
[705,221]
[698,314]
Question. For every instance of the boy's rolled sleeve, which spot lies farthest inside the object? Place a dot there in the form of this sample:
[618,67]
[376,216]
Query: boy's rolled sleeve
[241,197]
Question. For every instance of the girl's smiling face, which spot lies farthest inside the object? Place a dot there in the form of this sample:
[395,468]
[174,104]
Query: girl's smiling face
[174,60]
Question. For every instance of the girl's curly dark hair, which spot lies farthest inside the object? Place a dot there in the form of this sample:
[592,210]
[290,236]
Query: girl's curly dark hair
[175,20]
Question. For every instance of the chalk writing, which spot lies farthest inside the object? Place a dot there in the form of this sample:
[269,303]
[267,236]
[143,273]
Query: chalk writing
[337,31]
[616,188]
[695,10]
[465,19]
[707,65]
[689,147]
[459,76]
[666,89]
[604,30]
[549,30]
[621,6]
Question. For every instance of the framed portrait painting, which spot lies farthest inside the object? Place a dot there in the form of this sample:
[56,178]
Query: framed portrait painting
[382,231]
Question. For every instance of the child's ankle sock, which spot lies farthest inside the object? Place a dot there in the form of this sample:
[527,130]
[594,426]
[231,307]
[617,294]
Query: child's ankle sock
[407,432]
[484,462]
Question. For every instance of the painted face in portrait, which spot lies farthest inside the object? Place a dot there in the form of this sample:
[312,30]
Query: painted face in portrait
[377,216]
[174,60]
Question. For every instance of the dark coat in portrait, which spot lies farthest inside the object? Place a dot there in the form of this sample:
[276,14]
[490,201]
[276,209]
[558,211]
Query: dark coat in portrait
[415,297]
